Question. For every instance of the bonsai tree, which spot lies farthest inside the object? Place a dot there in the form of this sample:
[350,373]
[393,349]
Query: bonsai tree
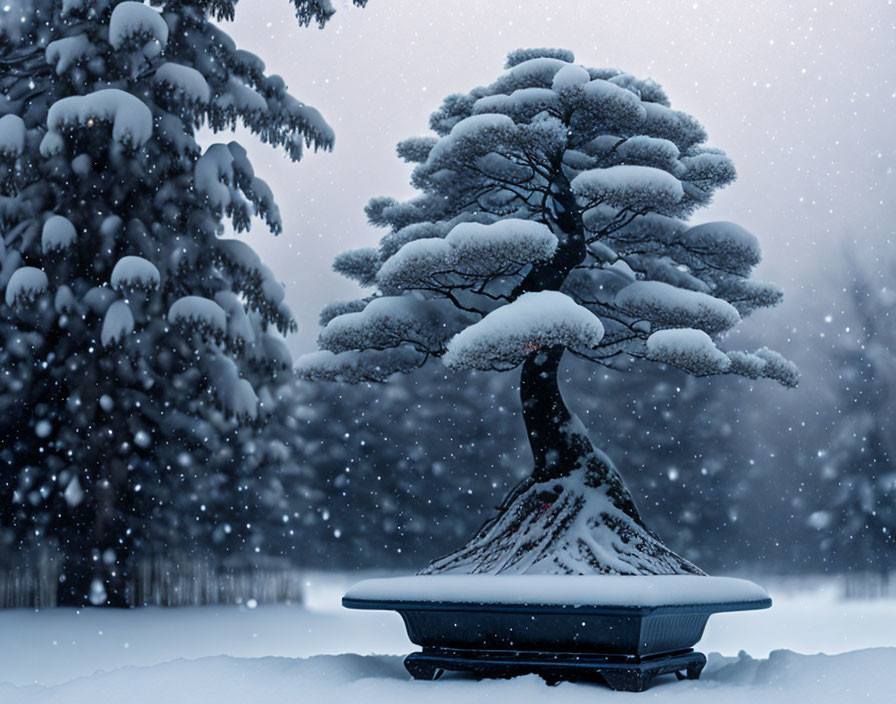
[552,218]
[135,339]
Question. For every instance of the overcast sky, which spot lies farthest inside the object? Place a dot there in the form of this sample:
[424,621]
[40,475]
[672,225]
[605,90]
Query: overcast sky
[801,95]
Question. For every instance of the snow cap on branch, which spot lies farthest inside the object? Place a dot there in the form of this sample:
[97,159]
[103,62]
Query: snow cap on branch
[25,285]
[199,312]
[235,394]
[358,366]
[667,306]
[131,119]
[518,56]
[628,186]
[535,321]
[136,23]
[337,308]
[692,351]
[391,321]
[132,272]
[185,80]
[725,245]
[500,245]
[764,363]
[470,250]
[58,233]
[117,324]
[68,51]
[12,136]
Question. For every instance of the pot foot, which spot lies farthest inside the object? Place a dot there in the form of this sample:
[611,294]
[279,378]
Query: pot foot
[619,673]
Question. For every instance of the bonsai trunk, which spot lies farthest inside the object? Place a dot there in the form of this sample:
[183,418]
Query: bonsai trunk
[573,514]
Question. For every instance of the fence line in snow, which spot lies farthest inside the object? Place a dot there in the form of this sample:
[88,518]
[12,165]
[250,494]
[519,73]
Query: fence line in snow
[159,581]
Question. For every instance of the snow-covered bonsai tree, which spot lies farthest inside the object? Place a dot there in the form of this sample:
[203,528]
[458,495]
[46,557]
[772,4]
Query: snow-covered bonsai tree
[135,337]
[552,217]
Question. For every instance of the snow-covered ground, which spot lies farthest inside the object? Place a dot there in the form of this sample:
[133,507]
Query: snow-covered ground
[322,653]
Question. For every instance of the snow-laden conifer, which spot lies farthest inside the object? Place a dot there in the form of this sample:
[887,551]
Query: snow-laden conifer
[133,335]
[553,215]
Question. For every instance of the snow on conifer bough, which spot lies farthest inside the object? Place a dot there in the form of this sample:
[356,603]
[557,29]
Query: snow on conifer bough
[624,630]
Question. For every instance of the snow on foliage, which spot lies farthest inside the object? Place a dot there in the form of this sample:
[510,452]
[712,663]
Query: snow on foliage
[64,301]
[647,151]
[25,285]
[103,102]
[537,72]
[118,323]
[606,172]
[724,244]
[501,246]
[470,250]
[98,299]
[629,187]
[186,81]
[239,326]
[668,306]
[416,149]
[764,363]
[690,350]
[224,176]
[535,321]
[391,321]
[213,173]
[358,264]
[521,104]
[359,365]
[520,55]
[12,136]
[58,234]
[132,272]
[673,125]
[394,241]
[475,132]
[197,311]
[131,119]
[241,97]
[68,51]
[568,77]
[415,264]
[134,22]
[235,394]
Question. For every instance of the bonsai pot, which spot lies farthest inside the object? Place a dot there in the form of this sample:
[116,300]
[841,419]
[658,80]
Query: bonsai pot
[625,630]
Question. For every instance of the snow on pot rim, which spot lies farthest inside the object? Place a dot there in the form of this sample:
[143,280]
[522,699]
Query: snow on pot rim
[595,591]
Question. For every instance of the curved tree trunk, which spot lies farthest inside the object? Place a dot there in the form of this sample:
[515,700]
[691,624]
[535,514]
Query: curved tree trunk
[573,514]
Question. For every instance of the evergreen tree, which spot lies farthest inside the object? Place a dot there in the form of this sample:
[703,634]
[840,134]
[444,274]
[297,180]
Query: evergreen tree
[378,485]
[551,217]
[136,339]
[855,517]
